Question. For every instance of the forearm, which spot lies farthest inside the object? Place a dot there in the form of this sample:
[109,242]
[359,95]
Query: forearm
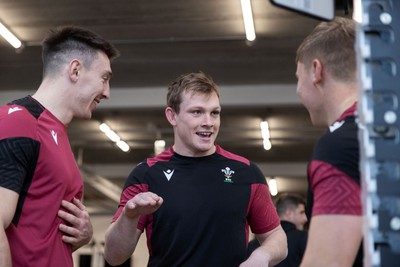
[275,247]
[122,236]
[272,250]
[341,232]
[121,240]
[5,255]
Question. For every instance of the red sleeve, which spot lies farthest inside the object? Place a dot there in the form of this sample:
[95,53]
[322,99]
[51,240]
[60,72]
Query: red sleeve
[262,215]
[334,191]
[126,195]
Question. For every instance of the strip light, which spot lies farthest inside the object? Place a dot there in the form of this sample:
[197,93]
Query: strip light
[357,13]
[265,135]
[248,20]
[114,137]
[9,37]
[273,187]
[159,146]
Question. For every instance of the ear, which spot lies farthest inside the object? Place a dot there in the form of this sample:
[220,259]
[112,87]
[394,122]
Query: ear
[74,69]
[288,211]
[170,114]
[317,70]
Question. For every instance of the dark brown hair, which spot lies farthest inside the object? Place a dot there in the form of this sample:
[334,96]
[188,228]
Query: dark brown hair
[65,42]
[288,201]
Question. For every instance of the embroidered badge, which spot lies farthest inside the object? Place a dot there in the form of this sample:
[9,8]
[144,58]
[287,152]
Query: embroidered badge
[228,174]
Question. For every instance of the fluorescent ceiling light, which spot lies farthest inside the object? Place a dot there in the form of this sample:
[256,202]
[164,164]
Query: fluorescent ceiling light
[273,187]
[114,137]
[267,144]
[265,135]
[159,146]
[123,145]
[248,20]
[10,37]
[357,13]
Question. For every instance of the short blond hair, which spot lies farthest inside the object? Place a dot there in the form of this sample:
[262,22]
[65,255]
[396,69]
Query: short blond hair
[332,43]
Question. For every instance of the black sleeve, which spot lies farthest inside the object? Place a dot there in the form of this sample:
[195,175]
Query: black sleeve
[18,157]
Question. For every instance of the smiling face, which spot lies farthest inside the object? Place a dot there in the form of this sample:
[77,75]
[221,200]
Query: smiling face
[92,86]
[196,125]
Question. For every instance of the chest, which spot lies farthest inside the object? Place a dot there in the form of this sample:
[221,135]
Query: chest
[218,189]
[56,168]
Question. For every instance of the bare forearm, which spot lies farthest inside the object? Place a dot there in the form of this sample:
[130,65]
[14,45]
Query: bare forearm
[5,255]
[122,236]
[342,232]
[121,239]
[275,247]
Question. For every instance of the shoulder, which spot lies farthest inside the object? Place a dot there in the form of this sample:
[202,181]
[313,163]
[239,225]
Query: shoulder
[338,143]
[17,121]
[162,157]
[232,156]
[140,168]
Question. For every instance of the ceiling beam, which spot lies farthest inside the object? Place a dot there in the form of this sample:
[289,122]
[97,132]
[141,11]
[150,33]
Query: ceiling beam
[154,97]
[102,184]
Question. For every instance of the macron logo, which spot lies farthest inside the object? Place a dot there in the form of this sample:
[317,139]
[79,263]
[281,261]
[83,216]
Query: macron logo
[54,134]
[168,174]
[11,110]
[335,126]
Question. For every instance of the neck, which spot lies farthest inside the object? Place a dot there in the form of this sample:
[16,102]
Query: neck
[50,97]
[342,97]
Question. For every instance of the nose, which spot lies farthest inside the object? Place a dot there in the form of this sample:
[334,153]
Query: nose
[208,120]
[106,91]
[305,218]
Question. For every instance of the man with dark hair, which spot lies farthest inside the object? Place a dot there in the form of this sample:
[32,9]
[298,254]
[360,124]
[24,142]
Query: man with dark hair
[327,86]
[41,189]
[196,200]
[291,211]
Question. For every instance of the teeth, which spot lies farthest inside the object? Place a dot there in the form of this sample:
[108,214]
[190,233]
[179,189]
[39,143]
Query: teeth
[205,134]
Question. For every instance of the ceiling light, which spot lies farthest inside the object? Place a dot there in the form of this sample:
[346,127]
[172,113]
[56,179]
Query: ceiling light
[265,135]
[248,20]
[10,37]
[357,13]
[159,146]
[123,145]
[267,144]
[104,128]
[113,136]
[273,187]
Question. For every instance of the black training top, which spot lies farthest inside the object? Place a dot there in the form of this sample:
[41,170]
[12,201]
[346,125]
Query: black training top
[209,204]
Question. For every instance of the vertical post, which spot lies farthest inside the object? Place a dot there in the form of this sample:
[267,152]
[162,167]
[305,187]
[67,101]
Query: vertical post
[378,49]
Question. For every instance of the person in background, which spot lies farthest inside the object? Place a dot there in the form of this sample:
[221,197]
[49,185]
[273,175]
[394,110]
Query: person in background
[291,211]
[196,200]
[327,87]
[41,189]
